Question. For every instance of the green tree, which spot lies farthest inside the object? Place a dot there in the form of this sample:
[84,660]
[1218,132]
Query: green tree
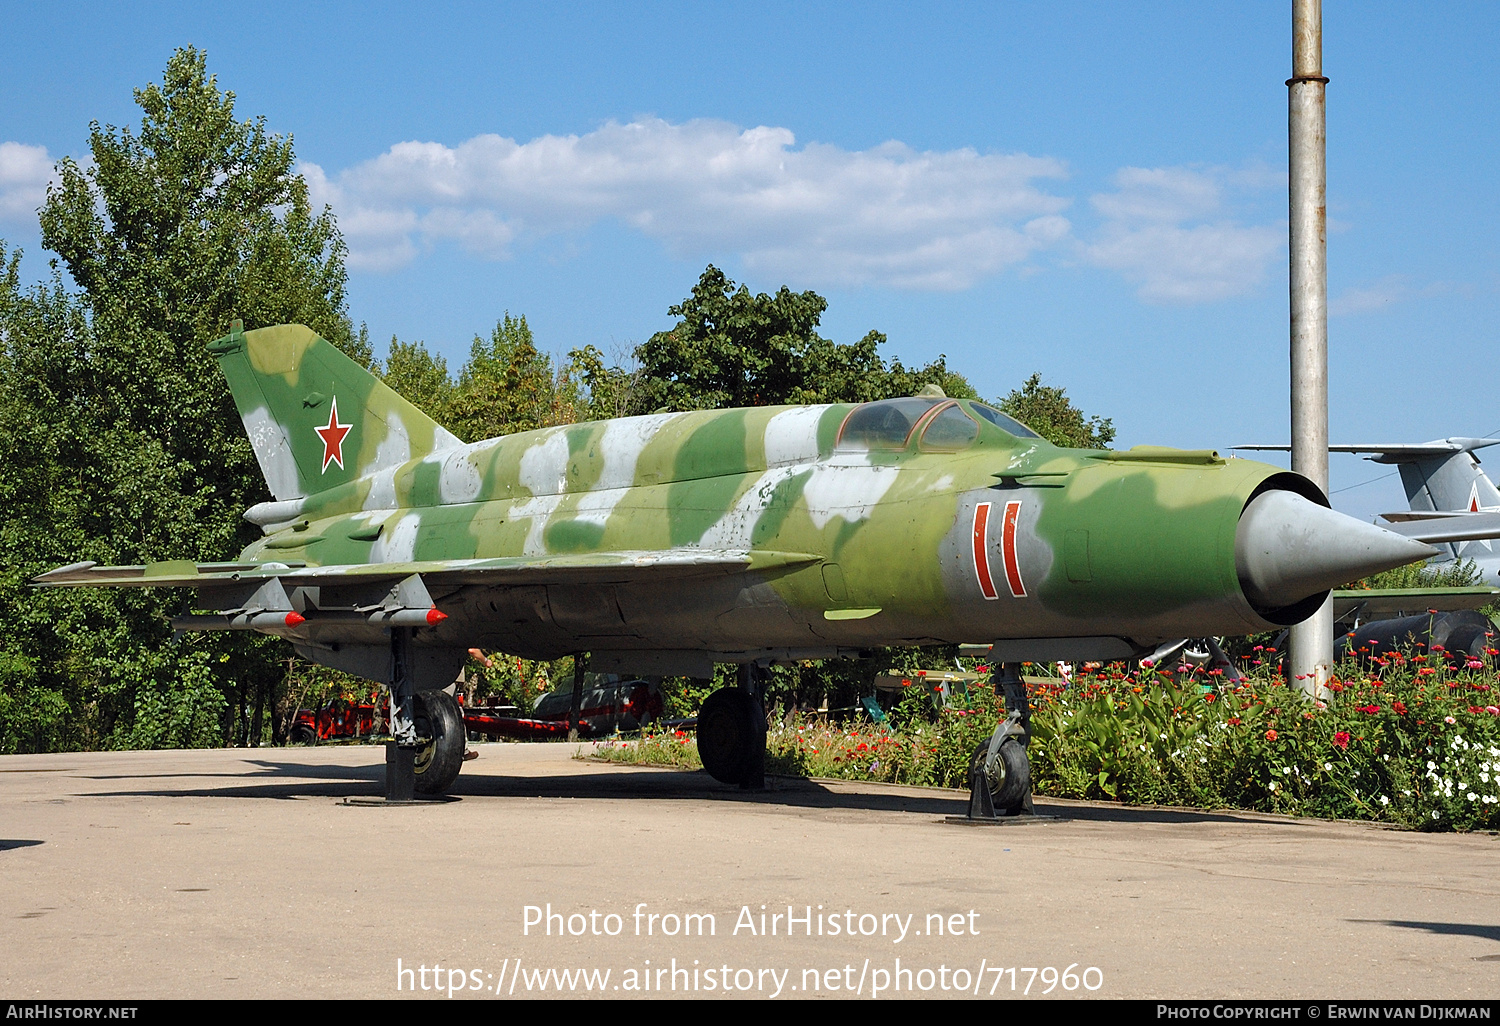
[1050,413]
[119,441]
[419,376]
[731,347]
[509,385]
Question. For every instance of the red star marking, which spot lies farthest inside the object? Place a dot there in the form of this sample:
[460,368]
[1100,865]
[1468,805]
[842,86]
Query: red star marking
[333,437]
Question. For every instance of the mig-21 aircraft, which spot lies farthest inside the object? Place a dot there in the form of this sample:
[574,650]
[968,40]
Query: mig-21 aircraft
[665,543]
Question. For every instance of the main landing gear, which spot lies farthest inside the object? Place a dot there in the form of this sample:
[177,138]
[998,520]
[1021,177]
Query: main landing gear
[440,732]
[428,730]
[732,733]
[999,771]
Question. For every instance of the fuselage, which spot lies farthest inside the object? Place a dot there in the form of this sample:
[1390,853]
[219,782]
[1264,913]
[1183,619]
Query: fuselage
[921,521]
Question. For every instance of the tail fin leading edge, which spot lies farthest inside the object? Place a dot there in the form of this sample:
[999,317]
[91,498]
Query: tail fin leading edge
[316,419]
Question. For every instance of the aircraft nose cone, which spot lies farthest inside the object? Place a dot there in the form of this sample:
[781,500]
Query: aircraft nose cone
[1288,548]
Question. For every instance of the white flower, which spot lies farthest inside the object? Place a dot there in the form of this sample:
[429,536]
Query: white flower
[1273,785]
[1434,814]
[1473,796]
[1384,800]
[1328,765]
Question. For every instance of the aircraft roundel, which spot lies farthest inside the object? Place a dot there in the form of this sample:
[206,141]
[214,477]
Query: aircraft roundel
[333,437]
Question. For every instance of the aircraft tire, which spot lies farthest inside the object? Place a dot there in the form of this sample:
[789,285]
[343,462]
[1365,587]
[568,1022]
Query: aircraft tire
[302,734]
[1011,781]
[726,734]
[437,763]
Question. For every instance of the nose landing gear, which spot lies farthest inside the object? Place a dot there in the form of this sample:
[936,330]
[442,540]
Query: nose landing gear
[999,771]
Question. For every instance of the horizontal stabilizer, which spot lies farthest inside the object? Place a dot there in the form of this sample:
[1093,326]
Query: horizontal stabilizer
[1399,452]
[1450,528]
[1407,516]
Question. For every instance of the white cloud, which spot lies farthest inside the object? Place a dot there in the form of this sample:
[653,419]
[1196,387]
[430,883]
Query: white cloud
[889,215]
[24,173]
[1380,295]
[1150,237]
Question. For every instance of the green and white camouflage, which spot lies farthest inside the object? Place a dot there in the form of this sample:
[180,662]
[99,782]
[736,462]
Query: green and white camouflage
[668,542]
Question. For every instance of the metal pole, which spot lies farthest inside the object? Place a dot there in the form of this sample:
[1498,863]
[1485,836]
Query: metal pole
[1311,642]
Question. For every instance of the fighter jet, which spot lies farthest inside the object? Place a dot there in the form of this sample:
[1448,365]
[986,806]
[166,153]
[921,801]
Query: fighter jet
[665,543]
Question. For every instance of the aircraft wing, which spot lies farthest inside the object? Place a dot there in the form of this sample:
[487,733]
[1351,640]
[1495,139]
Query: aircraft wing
[1378,603]
[583,568]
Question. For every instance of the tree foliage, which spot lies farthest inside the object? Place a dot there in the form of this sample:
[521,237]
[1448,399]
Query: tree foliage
[1050,413]
[119,441]
[734,348]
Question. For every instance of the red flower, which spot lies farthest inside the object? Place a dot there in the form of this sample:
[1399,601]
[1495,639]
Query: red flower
[1234,721]
[1400,707]
[1270,735]
[1341,739]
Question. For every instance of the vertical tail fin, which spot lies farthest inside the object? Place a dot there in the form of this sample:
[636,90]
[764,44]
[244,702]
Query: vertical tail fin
[1439,475]
[315,418]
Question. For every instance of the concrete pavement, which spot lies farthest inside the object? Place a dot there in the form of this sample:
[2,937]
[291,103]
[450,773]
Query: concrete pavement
[240,873]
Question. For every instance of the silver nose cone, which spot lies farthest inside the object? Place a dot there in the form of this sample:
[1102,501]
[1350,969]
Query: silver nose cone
[1288,548]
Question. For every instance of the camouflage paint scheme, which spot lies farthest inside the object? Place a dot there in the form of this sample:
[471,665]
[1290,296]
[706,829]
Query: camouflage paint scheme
[666,542]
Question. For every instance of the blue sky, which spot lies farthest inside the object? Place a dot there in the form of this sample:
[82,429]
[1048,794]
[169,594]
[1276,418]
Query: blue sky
[1095,191]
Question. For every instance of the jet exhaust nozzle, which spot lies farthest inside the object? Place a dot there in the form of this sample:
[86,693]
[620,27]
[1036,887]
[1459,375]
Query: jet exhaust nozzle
[1288,548]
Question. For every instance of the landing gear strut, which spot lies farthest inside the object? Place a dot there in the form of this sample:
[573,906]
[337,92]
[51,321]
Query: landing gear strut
[732,733]
[999,771]
[428,731]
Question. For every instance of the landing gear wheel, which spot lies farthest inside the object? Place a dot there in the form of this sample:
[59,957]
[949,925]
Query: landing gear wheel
[438,761]
[1009,778]
[302,734]
[727,736]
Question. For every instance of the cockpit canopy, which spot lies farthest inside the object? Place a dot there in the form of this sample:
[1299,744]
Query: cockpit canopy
[889,423]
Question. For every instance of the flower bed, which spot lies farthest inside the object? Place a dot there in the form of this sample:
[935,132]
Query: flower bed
[1412,740]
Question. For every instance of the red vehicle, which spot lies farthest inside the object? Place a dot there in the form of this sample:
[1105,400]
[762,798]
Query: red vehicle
[337,720]
[609,704]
